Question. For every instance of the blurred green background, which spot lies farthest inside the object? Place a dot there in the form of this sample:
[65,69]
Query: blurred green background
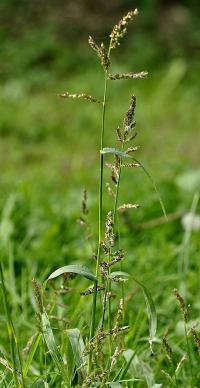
[49,146]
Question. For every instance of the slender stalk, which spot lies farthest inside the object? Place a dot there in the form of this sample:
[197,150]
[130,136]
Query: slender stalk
[115,215]
[92,328]
[189,355]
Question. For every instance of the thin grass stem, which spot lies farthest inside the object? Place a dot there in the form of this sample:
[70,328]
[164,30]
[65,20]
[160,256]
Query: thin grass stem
[93,321]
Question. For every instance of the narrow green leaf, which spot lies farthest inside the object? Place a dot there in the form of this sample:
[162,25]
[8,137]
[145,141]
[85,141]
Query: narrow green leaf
[78,348]
[31,353]
[14,348]
[154,186]
[126,367]
[115,151]
[75,269]
[151,311]
[52,347]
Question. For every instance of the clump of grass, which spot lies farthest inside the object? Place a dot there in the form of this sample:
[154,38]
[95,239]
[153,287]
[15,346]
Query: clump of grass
[104,345]
[96,354]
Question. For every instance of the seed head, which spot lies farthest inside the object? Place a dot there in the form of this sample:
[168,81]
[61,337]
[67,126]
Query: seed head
[182,304]
[84,202]
[104,58]
[118,76]
[128,120]
[120,29]
[37,294]
[109,234]
[168,348]
[83,96]
[101,52]
[126,206]
[196,338]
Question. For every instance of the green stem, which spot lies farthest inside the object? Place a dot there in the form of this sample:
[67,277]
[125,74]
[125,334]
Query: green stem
[189,355]
[93,321]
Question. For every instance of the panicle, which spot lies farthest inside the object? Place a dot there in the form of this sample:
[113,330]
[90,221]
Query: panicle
[37,294]
[128,120]
[120,29]
[126,206]
[196,338]
[120,313]
[117,353]
[101,52]
[131,149]
[104,58]
[182,304]
[109,234]
[168,348]
[93,44]
[83,96]
[131,165]
[84,202]
[119,76]
[90,290]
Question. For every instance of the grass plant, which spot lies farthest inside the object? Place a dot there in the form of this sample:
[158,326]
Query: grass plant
[91,321]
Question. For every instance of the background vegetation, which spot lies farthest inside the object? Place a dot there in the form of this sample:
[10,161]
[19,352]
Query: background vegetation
[48,150]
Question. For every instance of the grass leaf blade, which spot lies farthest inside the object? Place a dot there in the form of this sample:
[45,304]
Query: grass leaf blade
[75,269]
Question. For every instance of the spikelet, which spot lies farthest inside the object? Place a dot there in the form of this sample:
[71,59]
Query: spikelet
[166,375]
[117,353]
[168,348]
[119,134]
[132,137]
[196,338]
[120,313]
[130,165]
[93,44]
[29,343]
[126,206]
[132,149]
[180,363]
[37,294]
[119,76]
[120,29]
[109,234]
[83,96]
[101,52]
[182,304]
[110,190]
[90,290]
[117,256]
[84,202]
[128,120]
[104,58]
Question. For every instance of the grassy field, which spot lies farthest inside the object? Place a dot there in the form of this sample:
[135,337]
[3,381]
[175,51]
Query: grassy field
[48,154]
